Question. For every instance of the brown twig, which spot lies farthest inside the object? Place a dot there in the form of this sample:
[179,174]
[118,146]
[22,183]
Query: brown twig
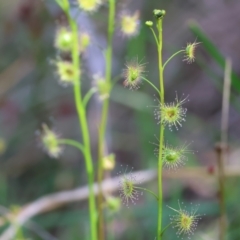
[221,149]
[53,201]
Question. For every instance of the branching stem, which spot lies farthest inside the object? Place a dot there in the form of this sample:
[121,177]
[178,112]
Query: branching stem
[155,37]
[72,143]
[88,96]
[165,229]
[150,83]
[147,190]
[175,54]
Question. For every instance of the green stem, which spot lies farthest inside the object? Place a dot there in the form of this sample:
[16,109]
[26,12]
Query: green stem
[161,138]
[165,229]
[147,190]
[155,37]
[88,96]
[145,79]
[89,165]
[60,3]
[176,53]
[72,143]
[103,123]
[81,111]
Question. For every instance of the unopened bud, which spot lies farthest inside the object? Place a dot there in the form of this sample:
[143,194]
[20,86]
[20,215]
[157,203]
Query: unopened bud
[109,162]
[149,23]
[159,13]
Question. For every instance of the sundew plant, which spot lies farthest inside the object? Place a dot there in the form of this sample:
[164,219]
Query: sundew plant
[70,43]
[171,115]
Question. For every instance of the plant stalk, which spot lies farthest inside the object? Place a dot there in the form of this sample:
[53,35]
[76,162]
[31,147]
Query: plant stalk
[147,190]
[72,143]
[82,116]
[175,54]
[150,83]
[103,123]
[161,137]
[221,150]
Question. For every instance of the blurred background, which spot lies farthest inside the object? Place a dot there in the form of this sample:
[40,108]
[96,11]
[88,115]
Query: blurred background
[30,95]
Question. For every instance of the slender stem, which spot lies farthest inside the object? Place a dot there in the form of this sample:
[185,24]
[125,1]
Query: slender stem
[225,101]
[82,121]
[165,229]
[72,143]
[161,92]
[161,137]
[60,3]
[89,165]
[176,53]
[145,79]
[155,37]
[88,96]
[103,123]
[222,149]
[147,190]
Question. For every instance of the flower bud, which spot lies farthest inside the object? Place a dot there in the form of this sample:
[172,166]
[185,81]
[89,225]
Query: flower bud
[64,39]
[159,13]
[109,162]
[149,23]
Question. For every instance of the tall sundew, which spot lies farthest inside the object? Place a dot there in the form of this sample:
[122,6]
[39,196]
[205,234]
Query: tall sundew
[133,73]
[185,221]
[171,114]
[127,188]
[129,23]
